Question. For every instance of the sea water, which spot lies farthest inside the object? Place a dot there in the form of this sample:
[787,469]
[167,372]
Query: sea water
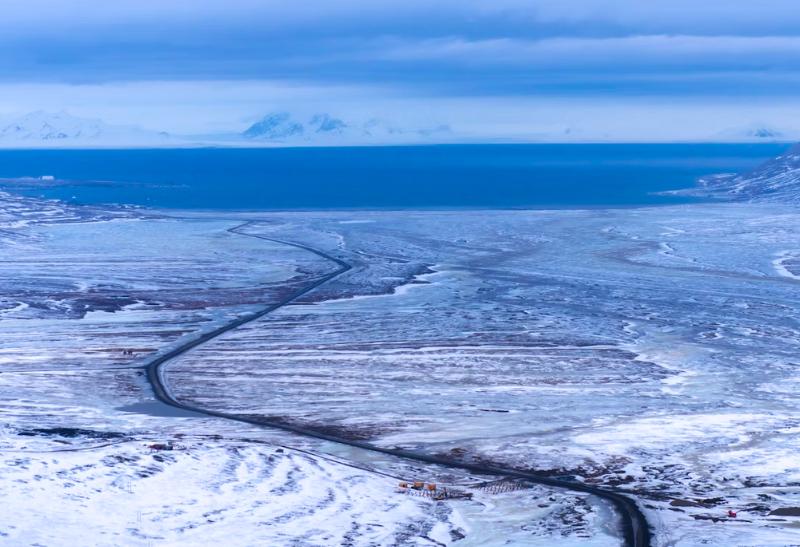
[448,176]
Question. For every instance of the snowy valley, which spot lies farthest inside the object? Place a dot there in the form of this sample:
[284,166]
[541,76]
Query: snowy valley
[649,352]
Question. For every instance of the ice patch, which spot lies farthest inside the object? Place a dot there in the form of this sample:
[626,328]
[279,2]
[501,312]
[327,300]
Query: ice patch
[780,264]
[672,431]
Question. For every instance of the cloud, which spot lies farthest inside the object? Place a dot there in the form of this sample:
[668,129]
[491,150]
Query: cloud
[651,52]
[402,41]
[409,16]
[244,57]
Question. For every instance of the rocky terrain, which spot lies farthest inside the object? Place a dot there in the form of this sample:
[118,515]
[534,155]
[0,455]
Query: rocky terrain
[775,181]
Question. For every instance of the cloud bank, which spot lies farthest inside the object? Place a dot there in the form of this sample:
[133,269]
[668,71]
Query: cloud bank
[484,68]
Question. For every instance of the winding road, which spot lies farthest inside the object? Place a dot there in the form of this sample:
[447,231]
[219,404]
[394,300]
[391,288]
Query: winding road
[635,530]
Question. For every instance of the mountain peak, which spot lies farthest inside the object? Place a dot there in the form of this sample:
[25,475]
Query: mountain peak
[45,126]
[323,128]
[325,123]
[274,126]
[765,133]
[753,133]
[39,128]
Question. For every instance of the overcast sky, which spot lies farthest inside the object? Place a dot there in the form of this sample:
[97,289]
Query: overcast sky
[493,69]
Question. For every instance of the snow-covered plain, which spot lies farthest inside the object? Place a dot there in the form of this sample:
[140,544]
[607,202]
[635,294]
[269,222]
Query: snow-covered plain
[88,296]
[653,350]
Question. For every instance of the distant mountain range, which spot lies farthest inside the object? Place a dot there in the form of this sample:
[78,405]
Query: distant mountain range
[755,133]
[43,129]
[282,127]
[277,126]
[62,130]
[774,181]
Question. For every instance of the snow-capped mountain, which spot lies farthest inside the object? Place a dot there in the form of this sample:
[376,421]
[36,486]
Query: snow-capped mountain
[62,130]
[777,181]
[756,132]
[325,124]
[765,133]
[44,129]
[325,129]
[41,126]
[277,126]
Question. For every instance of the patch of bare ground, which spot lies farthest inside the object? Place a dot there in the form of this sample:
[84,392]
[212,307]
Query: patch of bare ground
[349,433]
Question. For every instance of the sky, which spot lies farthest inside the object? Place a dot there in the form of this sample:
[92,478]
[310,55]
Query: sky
[490,70]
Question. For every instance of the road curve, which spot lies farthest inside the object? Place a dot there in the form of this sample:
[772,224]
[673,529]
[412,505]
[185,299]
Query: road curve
[635,530]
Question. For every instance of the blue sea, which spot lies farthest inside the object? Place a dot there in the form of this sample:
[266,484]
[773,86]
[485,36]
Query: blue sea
[452,176]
